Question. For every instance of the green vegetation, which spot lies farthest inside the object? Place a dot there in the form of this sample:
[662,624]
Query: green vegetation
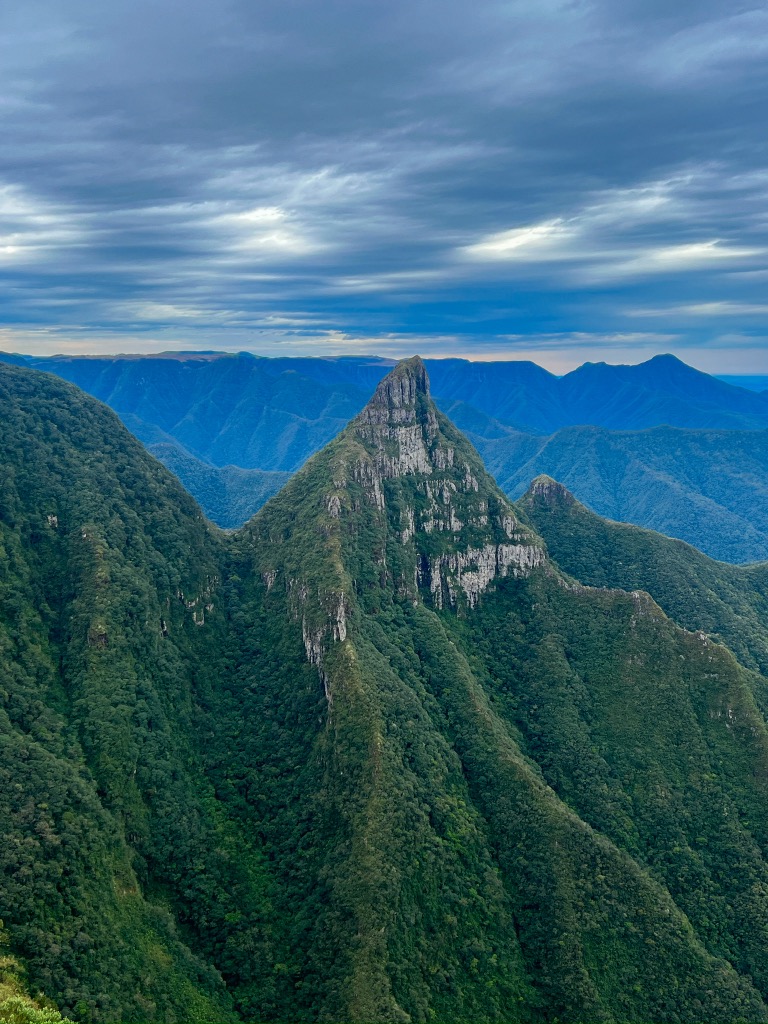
[706,487]
[728,602]
[372,758]
[16,1005]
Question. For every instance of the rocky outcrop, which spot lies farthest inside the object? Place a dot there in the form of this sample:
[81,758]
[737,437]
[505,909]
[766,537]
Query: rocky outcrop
[395,399]
[550,492]
[202,602]
[322,622]
[399,429]
[423,490]
[401,438]
[472,571]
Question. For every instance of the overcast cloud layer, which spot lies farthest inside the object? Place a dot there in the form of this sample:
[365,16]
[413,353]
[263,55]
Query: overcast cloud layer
[559,181]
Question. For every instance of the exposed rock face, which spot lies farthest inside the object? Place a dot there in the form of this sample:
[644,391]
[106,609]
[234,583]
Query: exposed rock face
[394,400]
[402,439]
[409,525]
[550,491]
[400,424]
[319,631]
[472,571]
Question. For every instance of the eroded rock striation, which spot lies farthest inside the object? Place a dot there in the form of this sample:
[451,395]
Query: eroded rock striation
[464,537]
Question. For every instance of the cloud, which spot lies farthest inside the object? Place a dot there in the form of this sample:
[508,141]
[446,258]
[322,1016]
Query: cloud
[602,243]
[705,310]
[673,259]
[32,230]
[711,46]
[425,169]
[550,241]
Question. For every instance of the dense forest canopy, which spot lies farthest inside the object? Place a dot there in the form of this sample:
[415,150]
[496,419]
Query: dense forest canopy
[397,750]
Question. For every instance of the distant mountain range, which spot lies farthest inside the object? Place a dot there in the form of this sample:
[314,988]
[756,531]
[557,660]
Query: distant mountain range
[233,427]
[754,383]
[707,487]
[271,414]
[397,750]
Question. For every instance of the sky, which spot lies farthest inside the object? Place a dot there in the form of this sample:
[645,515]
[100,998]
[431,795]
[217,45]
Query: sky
[546,180]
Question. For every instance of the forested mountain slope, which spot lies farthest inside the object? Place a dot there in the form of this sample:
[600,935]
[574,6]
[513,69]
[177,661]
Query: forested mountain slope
[229,495]
[101,806]
[729,602]
[534,683]
[371,758]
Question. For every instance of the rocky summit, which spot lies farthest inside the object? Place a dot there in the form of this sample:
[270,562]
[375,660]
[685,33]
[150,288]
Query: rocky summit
[375,756]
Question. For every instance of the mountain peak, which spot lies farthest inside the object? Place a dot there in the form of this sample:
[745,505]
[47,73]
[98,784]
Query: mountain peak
[396,399]
[456,533]
[403,474]
[547,491]
[400,422]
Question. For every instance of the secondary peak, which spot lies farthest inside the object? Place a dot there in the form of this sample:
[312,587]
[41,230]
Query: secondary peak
[549,491]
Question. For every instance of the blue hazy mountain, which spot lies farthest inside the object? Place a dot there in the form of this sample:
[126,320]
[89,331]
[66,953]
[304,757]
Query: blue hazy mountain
[223,409]
[660,444]
[706,487]
[753,383]
[661,390]
[230,495]
[272,414]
